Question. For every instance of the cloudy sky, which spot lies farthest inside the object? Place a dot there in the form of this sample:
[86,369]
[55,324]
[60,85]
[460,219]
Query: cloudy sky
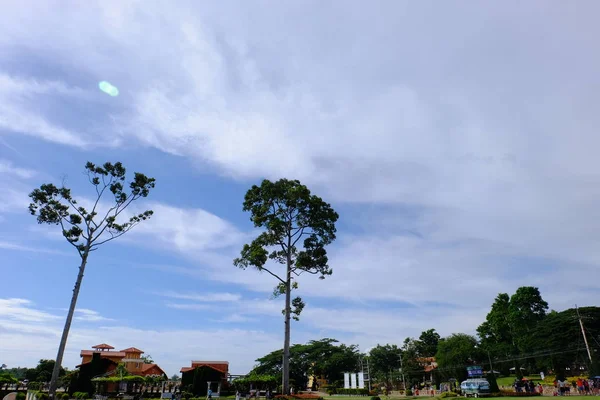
[457,140]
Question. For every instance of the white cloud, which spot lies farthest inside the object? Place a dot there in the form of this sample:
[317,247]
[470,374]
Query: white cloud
[186,230]
[6,167]
[85,314]
[18,113]
[31,249]
[22,310]
[204,297]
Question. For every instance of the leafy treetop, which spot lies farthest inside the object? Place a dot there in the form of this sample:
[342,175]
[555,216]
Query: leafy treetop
[83,227]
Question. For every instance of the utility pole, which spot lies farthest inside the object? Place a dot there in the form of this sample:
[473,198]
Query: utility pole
[491,366]
[402,371]
[587,347]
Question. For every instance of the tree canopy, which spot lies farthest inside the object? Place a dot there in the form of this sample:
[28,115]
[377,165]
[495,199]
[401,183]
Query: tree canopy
[325,357]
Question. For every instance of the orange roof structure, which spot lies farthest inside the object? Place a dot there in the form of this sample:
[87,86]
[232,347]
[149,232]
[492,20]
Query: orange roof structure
[103,346]
[220,366]
[104,354]
[132,350]
[148,367]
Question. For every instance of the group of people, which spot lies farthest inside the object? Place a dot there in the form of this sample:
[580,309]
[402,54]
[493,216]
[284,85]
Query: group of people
[523,386]
[584,387]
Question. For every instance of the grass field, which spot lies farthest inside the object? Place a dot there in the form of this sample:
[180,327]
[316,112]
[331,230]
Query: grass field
[426,398]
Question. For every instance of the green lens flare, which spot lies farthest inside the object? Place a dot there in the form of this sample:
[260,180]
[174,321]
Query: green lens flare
[108,88]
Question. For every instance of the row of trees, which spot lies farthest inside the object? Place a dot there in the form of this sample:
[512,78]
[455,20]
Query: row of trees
[517,335]
[296,228]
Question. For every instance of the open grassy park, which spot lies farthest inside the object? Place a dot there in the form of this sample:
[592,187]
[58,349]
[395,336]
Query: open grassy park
[428,397]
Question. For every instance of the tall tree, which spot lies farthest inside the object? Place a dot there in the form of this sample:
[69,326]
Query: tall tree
[412,368]
[87,229]
[428,343]
[495,332]
[455,353]
[526,309]
[291,216]
[383,360]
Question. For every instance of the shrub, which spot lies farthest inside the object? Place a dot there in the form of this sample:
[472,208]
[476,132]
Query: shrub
[375,398]
[409,392]
[62,396]
[186,395]
[447,394]
[41,395]
[81,395]
[21,396]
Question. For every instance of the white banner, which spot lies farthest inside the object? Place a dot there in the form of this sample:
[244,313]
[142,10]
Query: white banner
[353,380]
[346,380]
[361,380]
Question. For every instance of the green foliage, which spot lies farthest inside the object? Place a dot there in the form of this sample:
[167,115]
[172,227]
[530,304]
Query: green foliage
[81,227]
[428,343]
[42,372]
[127,378]
[375,398]
[560,330]
[525,311]
[81,395]
[383,359]
[62,396]
[41,395]
[455,353]
[18,372]
[7,378]
[325,357]
[262,381]
[409,392]
[290,216]
[21,396]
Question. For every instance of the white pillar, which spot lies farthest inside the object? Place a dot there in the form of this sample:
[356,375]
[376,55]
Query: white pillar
[361,380]
[353,380]
[346,380]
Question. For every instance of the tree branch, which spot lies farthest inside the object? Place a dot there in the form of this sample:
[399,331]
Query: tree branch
[73,244]
[275,275]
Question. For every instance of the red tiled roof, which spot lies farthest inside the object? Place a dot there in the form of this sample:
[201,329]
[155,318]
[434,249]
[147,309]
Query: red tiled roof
[104,354]
[103,346]
[87,362]
[132,350]
[147,367]
[222,367]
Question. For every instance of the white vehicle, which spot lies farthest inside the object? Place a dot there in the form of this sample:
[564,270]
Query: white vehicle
[477,387]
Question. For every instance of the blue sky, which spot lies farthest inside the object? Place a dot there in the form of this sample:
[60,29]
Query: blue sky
[457,141]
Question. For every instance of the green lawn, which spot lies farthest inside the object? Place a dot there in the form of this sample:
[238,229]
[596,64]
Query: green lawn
[450,398]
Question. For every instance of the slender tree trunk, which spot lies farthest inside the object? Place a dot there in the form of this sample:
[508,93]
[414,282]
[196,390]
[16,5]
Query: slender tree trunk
[65,334]
[286,341]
